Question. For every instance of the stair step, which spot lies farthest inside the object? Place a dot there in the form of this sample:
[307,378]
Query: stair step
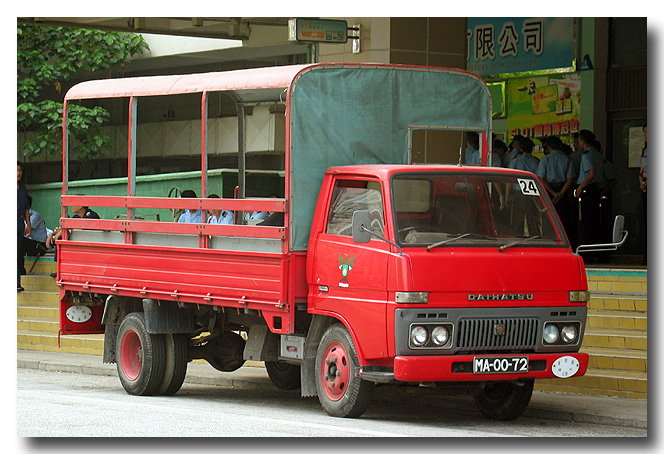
[39,324]
[42,267]
[618,303]
[83,343]
[630,320]
[601,382]
[616,338]
[30,297]
[21,302]
[39,282]
[28,312]
[615,359]
[613,281]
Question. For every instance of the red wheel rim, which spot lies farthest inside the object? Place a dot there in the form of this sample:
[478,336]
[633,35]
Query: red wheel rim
[335,371]
[131,355]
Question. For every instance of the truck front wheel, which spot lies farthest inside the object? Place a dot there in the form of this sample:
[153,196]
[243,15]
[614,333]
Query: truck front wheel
[141,361]
[505,400]
[341,391]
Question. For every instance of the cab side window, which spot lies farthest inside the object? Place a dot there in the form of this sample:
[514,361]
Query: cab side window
[350,196]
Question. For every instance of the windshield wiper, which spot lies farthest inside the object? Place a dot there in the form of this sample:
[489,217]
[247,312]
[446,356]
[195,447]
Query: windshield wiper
[514,243]
[449,240]
[440,243]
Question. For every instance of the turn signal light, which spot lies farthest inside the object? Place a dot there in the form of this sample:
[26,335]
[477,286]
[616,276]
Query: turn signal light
[582,296]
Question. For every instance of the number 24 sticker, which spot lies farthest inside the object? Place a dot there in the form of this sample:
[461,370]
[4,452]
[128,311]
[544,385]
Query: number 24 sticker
[528,187]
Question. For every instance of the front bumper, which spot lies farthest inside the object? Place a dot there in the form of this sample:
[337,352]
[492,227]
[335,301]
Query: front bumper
[460,368]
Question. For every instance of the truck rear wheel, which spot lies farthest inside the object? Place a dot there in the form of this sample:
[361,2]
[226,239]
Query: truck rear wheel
[505,400]
[141,360]
[341,391]
[177,357]
[283,375]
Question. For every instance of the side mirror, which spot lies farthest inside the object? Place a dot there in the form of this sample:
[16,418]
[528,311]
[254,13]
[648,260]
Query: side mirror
[463,187]
[619,237]
[618,228]
[361,218]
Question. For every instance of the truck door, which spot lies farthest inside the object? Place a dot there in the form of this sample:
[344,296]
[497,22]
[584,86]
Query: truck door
[350,279]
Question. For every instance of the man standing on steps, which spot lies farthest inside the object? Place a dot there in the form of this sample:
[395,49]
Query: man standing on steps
[587,192]
[23,221]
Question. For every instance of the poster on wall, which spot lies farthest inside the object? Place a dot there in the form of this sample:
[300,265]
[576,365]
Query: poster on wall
[636,142]
[541,106]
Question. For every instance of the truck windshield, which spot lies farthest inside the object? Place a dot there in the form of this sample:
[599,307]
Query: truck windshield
[478,209]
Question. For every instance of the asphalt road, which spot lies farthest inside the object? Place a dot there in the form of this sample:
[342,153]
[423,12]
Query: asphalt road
[53,404]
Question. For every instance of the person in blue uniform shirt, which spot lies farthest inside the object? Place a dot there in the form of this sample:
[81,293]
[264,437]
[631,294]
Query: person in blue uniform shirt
[557,175]
[472,148]
[499,150]
[524,213]
[473,153]
[34,245]
[220,216]
[587,193]
[555,169]
[514,150]
[524,160]
[188,216]
[576,155]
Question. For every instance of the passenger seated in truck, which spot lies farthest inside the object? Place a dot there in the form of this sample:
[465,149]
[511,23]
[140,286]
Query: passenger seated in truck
[275,218]
[188,216]
[254,217]
[79,212]
[220,216]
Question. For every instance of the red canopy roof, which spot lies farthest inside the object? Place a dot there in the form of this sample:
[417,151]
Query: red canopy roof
[239,80]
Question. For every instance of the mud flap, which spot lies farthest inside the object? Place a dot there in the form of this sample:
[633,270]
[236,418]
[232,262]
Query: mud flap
[167,317]
[319,325]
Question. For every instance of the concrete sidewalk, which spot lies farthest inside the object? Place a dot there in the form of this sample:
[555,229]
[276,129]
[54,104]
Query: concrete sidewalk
[544,405]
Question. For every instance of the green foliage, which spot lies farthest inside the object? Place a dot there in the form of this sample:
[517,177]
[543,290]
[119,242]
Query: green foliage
[50,57]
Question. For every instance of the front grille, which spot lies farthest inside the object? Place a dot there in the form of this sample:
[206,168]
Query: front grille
[497,334]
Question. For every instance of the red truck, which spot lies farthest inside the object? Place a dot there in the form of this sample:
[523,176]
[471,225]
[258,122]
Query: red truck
[375,270]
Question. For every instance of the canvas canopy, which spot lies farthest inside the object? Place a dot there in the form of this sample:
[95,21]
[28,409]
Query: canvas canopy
[361,114]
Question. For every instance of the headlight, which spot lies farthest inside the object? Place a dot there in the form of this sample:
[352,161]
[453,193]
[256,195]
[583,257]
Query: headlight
[419,336]
[440,335]
[569,333]
[551,333]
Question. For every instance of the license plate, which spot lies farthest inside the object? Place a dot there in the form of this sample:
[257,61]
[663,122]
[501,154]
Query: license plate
[500,365]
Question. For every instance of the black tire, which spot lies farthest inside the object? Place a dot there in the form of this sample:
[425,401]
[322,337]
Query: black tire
[283,375]
[341,391]
[505,401]
[177,356]
[140,356]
